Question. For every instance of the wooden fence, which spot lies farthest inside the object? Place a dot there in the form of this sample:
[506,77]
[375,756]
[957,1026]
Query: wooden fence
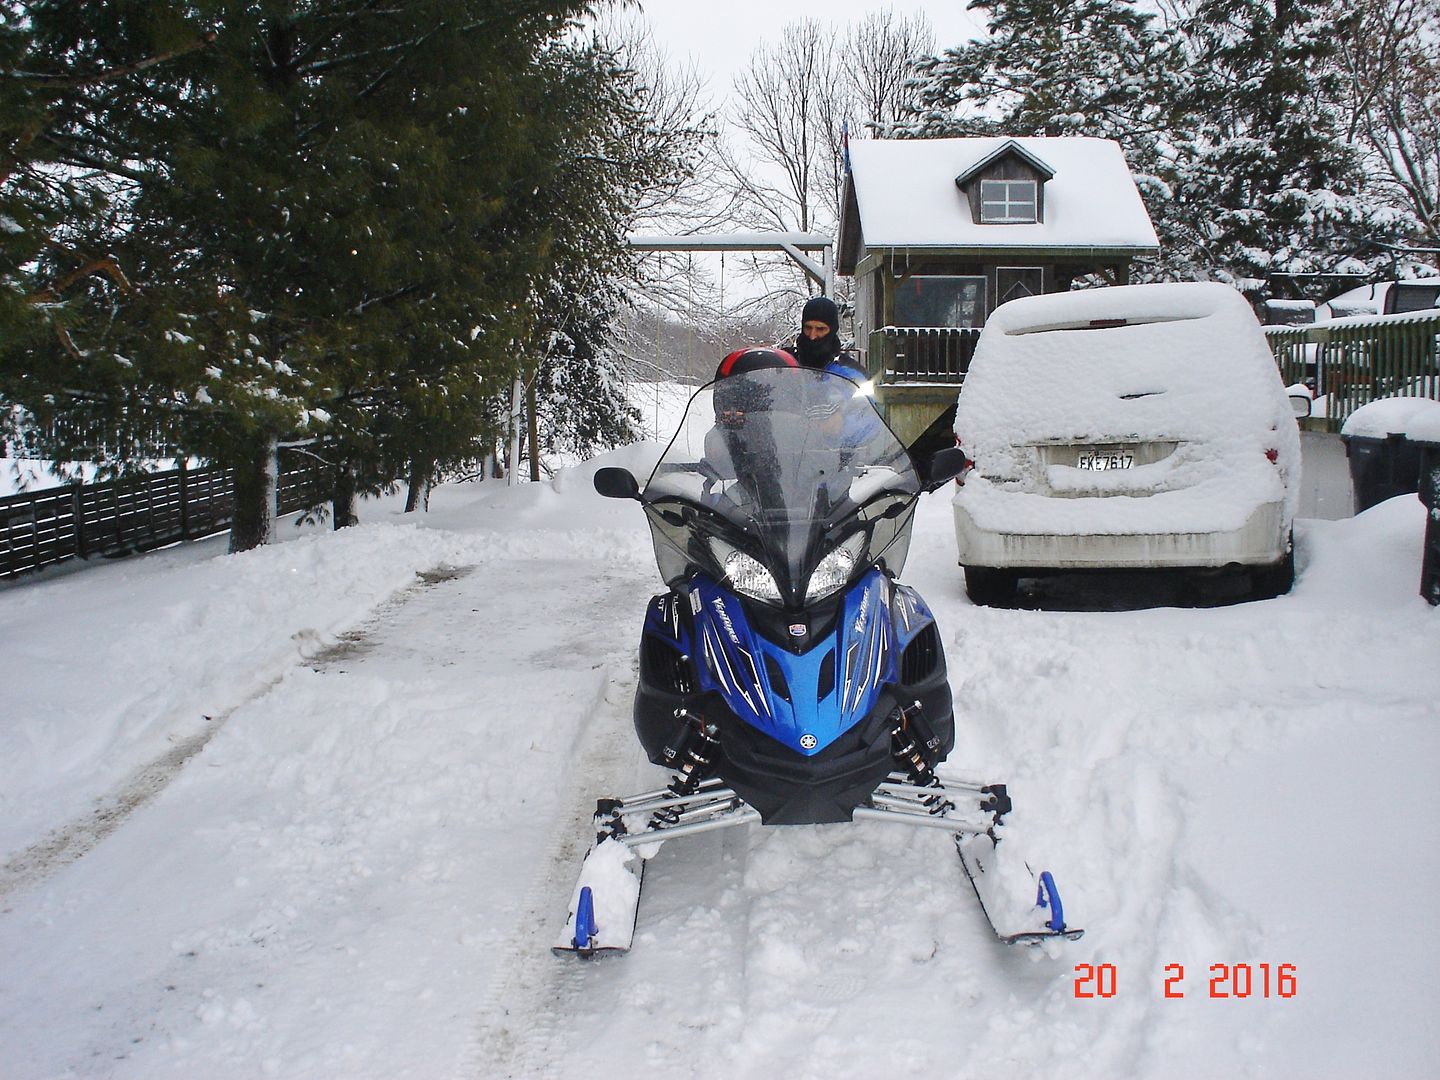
[1355,361]
[40,528]
[922,354]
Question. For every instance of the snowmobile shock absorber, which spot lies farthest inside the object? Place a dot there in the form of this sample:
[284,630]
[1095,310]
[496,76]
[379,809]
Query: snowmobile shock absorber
[913,744]
[692,751]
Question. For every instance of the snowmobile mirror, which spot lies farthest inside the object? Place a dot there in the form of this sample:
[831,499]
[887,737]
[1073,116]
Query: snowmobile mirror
[617,483]
[945,465]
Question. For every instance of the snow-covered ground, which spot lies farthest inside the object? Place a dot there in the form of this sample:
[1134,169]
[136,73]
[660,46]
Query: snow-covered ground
[315,811]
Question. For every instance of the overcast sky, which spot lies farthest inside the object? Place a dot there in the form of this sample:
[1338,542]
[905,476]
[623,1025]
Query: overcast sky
[718,36]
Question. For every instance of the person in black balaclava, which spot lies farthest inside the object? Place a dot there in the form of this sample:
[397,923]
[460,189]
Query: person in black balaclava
[819,340]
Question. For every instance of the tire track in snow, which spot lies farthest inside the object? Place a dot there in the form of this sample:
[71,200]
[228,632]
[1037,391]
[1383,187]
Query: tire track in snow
[532,990]
[73,841]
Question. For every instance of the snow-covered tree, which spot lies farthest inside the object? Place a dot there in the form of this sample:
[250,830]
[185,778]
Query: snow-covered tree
[334,220]
[1073,67]
[1104,68]
[1263,179]
[1390,105]
[1225,112]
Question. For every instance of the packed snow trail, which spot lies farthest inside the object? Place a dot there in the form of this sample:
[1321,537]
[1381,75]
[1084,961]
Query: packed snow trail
[164,642]
[338,865]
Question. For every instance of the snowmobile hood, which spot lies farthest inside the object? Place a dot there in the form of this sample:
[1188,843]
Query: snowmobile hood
[806,700]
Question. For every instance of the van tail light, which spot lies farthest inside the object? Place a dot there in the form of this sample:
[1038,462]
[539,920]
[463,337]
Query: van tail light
[1273,455]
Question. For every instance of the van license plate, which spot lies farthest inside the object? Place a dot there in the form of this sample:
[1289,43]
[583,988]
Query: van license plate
[1101,460]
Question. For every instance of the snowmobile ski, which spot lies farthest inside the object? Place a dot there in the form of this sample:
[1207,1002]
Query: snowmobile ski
[1003,886]
[605,905]
[606,900]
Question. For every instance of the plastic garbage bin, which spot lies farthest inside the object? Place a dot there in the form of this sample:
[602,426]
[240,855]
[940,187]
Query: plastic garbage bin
[1423,433]
[1383,462]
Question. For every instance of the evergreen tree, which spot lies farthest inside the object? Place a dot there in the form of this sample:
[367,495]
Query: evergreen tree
[359,180]
[1073,67]
[1225,119]
[610,152]
[581,389]
[1263,179]
[342,215]
[73,80]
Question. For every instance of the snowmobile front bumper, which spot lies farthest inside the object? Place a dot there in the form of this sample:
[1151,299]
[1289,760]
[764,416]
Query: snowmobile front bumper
[786,787]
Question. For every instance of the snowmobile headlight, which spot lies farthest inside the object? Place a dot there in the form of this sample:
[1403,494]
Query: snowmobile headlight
[749,577]
[834,569]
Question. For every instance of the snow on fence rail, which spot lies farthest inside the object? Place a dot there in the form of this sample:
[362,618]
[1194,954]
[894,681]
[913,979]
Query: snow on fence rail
[1350,362]
[84,520]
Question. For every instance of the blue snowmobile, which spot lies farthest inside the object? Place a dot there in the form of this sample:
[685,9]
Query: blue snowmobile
[786,676]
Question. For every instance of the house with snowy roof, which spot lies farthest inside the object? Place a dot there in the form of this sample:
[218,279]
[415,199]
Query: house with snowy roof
[937,233]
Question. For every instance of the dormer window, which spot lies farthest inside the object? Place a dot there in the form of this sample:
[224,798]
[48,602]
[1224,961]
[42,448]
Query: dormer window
[1008,202]
[1006,187]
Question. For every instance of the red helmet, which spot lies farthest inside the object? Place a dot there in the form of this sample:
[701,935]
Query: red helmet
[754,359]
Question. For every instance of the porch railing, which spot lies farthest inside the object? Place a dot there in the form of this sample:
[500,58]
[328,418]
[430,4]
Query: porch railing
[1351,362]
[922,355]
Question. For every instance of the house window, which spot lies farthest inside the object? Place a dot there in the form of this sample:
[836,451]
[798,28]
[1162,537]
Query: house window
[936,300]
[1007,201]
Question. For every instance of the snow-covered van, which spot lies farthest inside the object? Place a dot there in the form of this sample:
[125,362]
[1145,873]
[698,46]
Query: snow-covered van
[1140,426]
[1382,298]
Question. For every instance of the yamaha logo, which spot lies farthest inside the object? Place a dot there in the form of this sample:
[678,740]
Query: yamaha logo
[808,741]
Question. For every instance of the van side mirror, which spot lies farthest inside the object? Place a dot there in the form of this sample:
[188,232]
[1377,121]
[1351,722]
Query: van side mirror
[1300,405]
[945,465]
[616,483]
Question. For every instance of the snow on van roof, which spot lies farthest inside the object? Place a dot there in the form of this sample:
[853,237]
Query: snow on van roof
[906,192]
[1183,363]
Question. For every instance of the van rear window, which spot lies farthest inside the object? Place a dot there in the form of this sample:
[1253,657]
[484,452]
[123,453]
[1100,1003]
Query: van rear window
[1406,297]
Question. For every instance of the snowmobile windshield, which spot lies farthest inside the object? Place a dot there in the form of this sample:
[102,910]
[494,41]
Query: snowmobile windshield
[785,481]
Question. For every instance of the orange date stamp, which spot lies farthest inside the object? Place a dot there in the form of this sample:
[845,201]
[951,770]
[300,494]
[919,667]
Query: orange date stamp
[1222,981]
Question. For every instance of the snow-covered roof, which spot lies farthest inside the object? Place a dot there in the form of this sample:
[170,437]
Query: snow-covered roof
[906,195]
[1009,146]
